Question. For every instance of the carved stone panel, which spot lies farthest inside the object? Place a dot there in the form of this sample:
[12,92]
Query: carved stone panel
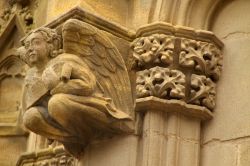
[16,12]
[203,91]
[203,57]
[160,82]
[178,63]
[154,49]
[47,157]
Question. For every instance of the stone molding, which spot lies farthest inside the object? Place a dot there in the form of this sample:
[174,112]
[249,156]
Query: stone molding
[162,50]
[9,119]
[95,20]
[16,18]
[16,14]
[47,157]
[177,106]
[178,31]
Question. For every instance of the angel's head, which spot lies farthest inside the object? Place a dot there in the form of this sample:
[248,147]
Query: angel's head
[40,46]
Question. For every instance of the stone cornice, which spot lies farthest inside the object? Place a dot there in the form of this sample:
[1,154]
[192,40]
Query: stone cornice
[178,31]
[95,20]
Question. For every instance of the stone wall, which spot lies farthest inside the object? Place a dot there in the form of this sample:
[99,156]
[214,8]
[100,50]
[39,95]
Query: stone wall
[226,137]
[218,138]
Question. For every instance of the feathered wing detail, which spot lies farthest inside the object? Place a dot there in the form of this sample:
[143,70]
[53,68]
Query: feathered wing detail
[103,58]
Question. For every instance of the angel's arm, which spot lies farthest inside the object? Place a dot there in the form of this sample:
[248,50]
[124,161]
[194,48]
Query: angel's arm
[81,82]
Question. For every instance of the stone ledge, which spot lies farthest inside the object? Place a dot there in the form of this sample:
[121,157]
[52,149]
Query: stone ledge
[179,31]
[157,104]
[95,20]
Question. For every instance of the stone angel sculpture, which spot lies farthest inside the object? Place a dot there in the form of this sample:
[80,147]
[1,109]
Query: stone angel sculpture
[77,92]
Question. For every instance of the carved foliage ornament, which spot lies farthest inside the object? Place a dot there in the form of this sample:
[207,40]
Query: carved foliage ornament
[202,56]
[203,91]
[160,82]
[154,49]
[202,59]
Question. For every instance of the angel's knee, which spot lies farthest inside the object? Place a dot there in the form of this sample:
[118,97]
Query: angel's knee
[32,119]
[57,105]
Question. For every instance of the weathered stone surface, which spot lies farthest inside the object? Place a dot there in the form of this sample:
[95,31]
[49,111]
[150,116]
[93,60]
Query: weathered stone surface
[77,83]
[48,156]
[160,82]
[176,60]
[232,113]
[244,153]
[120,150]
[219,154]
[11,148]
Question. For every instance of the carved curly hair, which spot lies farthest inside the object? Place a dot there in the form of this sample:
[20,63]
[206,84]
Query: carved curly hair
[52,38]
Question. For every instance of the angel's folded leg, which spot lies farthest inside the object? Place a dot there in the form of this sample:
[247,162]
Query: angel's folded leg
[78,114]
[35,121]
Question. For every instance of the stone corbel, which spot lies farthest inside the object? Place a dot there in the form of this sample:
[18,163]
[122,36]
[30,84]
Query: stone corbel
[177,71]
[73,100]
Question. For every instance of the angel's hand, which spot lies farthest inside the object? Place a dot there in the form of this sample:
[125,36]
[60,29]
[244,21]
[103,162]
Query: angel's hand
[66,72]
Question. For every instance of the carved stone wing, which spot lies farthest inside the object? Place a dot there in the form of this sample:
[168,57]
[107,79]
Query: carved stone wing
[103,58]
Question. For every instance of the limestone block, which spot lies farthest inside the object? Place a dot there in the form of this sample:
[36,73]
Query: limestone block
[219,154]
[153,138]
[232,110]
[235,22]
[183,140]
[189,153]
[189,128]
[244,153]
[116,11]
[115,151]
[11,148]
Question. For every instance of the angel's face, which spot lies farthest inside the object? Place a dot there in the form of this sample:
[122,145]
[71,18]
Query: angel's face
[37,50]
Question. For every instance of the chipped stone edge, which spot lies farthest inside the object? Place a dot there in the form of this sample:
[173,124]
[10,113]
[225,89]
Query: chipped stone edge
[152,103]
